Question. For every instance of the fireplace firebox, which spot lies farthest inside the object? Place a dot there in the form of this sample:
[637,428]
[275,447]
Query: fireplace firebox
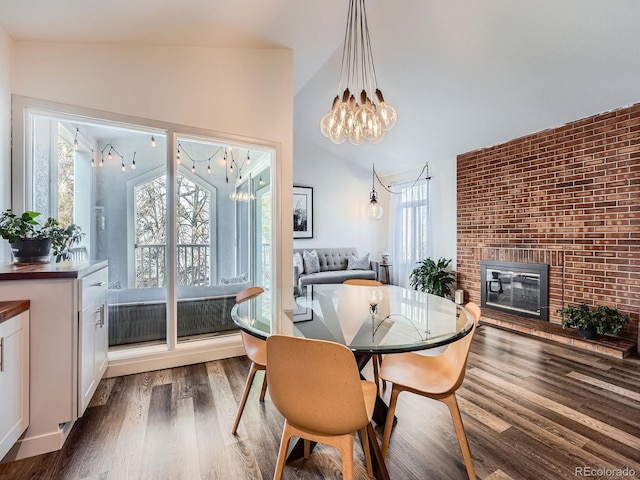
[517,288]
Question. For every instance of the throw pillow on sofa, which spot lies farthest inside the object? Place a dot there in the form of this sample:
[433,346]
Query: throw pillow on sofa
[354,263]
[297,262]
[311,261]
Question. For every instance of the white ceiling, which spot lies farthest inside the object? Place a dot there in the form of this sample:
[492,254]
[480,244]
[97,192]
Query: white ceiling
[462,74]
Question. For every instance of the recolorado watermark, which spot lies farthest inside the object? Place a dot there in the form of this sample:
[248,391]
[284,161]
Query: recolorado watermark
[587,471]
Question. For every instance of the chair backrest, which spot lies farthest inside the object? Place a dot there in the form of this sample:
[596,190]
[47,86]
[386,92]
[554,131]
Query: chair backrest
[457,353]
[254,347]
[362,281]
[248,293]
[315,384]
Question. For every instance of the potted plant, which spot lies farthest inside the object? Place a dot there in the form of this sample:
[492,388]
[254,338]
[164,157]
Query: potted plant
[32,243]
[433,277]
[592,322]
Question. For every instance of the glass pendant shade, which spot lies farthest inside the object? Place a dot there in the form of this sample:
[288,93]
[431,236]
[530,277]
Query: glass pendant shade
[374,211]
[369,119]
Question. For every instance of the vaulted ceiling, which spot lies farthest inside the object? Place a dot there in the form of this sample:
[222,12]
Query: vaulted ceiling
[462,74]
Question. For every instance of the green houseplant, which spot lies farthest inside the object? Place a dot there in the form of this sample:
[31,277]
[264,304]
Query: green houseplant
[433,277]
[592,322]
[31,242]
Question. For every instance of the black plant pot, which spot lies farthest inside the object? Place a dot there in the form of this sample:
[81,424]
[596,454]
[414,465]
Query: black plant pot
[589,333]
[31,250]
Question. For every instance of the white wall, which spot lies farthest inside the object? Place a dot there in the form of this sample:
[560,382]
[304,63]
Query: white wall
[235,91]
[340,194]
[5,130]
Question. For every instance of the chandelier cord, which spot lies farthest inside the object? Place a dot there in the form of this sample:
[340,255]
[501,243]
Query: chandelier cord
[369,50]
[418,178]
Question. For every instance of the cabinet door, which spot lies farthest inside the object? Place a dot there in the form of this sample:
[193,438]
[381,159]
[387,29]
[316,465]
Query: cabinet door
[89,321]
[14,380]
[102,340]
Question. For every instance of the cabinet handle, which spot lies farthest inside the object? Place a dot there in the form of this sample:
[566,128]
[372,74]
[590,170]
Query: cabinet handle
[100,284]
[1,354]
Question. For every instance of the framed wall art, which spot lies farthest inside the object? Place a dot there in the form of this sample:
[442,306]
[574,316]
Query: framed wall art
[302,212]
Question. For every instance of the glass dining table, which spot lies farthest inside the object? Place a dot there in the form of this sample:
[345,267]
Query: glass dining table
[367,319]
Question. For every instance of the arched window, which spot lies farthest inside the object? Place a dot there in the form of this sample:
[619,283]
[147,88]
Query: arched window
[195,217]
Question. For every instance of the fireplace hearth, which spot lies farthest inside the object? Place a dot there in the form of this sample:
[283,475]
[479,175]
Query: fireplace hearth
[517,288]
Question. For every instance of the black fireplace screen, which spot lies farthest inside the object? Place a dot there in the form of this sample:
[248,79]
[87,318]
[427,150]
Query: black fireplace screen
[518,288]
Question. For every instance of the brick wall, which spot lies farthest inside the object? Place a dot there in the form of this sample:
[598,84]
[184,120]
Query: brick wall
[569,196]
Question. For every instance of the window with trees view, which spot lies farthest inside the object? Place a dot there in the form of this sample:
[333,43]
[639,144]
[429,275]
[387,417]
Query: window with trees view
[194,232]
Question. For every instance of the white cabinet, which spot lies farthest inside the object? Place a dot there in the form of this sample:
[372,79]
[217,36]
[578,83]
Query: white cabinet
[93,335]
[14,379]
[68,340]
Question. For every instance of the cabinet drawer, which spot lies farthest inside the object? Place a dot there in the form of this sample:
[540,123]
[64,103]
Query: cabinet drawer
[92,286]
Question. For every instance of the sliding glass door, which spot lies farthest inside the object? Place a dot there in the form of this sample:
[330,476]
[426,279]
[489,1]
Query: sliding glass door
[184,220]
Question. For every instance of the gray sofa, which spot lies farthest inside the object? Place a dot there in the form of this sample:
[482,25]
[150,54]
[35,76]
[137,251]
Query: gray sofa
[333,267]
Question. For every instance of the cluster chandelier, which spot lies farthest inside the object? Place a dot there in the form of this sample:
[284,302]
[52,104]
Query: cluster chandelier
[366,118]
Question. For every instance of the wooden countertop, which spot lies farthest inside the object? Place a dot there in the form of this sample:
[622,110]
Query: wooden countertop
[40,271]
[12,308]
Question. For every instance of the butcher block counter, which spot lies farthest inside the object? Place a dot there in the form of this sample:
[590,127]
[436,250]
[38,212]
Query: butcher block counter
[11,309]
[68,344]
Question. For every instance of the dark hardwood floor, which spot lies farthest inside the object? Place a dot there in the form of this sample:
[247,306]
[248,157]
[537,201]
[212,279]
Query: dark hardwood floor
[532,410]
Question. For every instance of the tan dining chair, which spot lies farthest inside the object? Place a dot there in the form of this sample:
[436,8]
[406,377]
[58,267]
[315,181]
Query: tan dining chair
[435,377]
[376,359]
[316,386]
[256,349]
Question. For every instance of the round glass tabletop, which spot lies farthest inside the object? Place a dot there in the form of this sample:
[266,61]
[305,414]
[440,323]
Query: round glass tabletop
[387,319]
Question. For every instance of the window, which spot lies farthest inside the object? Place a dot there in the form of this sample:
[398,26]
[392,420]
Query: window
[410,229]
[194,217]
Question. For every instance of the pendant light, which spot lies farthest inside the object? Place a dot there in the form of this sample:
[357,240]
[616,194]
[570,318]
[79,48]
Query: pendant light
[363,117]
[374,209]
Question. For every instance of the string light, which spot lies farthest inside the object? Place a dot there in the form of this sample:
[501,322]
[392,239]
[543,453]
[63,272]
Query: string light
[178,155]
[153,141]
[133,163]
[248,160]
[209,166]
[93,159]
[193,167]
[109,156]
[123,167]
[261,181]
[75,140]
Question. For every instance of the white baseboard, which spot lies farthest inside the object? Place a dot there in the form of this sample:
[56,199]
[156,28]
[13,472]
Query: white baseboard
[32,446]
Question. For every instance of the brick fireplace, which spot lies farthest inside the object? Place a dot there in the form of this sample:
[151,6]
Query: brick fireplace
[567,197]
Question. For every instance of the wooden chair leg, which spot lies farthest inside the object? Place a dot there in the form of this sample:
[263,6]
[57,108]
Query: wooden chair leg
[452,403]
[345,445]
[365,448]
[282,452]
[388,424]
[264,387]
[307,448]
[245,395]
